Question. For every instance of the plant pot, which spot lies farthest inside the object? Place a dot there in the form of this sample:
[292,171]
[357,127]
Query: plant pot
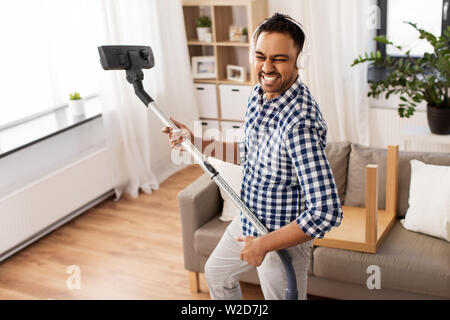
[76,107]
[438,120]
[201,33]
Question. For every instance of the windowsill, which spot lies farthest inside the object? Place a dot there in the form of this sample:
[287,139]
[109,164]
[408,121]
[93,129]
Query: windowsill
[33,131]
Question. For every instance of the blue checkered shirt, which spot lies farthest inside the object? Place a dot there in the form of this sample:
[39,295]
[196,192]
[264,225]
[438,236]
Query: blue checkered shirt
[286,174]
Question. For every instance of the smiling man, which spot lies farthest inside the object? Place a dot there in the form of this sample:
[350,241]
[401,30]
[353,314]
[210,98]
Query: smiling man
[276,55]
[287,180]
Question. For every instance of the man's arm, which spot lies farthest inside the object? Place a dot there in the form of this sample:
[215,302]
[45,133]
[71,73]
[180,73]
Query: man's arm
[323,207]
[288,236]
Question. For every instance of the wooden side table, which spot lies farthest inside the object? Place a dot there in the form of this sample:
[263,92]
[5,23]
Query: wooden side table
[363,229]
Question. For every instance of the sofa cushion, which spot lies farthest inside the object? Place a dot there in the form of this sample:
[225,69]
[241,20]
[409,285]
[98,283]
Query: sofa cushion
[233,175]
[404,172]
[360,156]
[207,236]
[407,260]
[337,155]
[429,200]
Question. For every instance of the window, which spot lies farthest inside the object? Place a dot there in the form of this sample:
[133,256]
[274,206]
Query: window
[431,15]
[49,48]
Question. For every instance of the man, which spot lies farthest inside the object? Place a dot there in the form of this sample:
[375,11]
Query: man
[287,180]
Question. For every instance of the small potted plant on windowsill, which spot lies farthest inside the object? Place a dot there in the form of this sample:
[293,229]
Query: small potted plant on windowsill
[76,104]
[203,24]
[417,79]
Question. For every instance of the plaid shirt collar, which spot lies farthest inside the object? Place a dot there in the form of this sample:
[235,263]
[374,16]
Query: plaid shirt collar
[283,99]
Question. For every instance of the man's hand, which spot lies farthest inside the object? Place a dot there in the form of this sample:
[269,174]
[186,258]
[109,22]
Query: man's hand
[178,136]
[253,253]
[256,248]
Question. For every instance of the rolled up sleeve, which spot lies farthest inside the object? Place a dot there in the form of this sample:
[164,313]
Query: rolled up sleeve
[307,151]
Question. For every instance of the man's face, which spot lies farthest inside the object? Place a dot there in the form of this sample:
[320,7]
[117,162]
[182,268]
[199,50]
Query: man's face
[275,62]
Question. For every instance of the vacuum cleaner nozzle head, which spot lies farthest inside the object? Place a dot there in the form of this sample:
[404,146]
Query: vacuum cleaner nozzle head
[125,57]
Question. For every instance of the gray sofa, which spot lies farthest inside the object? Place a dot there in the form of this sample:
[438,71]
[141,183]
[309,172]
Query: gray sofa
[412,265]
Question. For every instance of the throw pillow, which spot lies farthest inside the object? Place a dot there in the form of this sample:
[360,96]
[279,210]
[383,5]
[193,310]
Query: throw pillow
[429,200]
[360,156]
[337,155]
[232,174]
[404,172]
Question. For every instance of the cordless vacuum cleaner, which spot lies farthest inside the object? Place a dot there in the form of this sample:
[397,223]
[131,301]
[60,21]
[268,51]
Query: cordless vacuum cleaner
[133,59]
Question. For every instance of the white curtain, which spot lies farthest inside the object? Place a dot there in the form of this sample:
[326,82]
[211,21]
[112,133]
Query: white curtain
[140,153]
[338,31]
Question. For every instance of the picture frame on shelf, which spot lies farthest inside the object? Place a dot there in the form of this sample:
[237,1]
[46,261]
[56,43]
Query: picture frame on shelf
[236,73]
[235,33]
[203,67]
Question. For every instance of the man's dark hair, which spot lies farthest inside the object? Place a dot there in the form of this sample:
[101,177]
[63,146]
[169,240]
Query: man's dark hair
[279,23]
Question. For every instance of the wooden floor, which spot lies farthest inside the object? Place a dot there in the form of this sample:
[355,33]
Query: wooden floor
[130,249]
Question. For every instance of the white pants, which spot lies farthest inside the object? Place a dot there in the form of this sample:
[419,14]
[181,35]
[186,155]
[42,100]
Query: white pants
[224,268]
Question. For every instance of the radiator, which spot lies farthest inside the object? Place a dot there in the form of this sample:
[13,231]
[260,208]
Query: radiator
[43,205]
[385,129]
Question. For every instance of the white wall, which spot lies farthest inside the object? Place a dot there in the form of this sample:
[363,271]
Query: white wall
[289,7]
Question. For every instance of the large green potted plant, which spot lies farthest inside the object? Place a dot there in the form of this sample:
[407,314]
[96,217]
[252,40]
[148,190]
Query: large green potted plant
[417,79]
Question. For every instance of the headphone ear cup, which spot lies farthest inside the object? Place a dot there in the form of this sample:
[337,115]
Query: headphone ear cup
[299,60]
[302,60]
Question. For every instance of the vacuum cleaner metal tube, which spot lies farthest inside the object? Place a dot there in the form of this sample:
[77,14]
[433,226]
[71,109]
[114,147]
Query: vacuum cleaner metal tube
[291,290]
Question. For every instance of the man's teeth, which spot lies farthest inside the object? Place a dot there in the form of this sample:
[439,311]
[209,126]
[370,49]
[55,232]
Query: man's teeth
[269,78]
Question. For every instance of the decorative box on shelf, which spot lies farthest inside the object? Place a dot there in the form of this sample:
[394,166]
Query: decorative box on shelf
[207,129]
[232,131]
[233,101]
[206,100]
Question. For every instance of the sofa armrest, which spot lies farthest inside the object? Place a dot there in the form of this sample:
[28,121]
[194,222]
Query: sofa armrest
[198,203]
